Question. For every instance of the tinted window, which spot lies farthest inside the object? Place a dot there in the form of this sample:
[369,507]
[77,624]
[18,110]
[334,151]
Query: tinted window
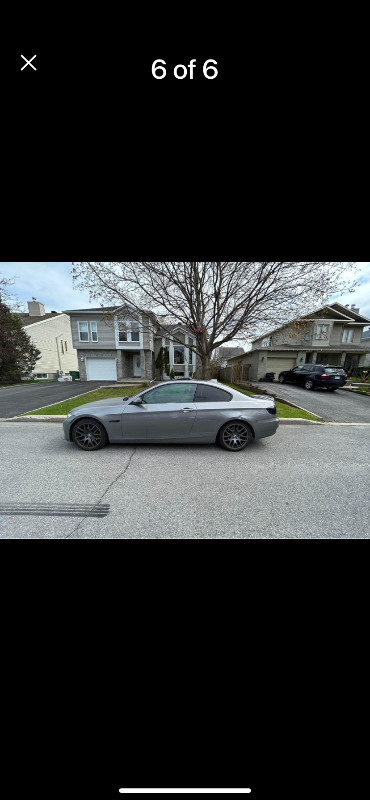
[330,370]
[174,393]
[210,394]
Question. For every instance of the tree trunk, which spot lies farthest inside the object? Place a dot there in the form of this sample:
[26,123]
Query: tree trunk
[206,368]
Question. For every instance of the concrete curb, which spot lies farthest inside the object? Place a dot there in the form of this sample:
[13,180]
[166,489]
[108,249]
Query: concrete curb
[38,418]
[283,421]
[353,391]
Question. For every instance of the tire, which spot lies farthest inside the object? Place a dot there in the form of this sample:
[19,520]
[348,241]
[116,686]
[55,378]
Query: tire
[235,436]
[281,379]
[309,384]
[89,434]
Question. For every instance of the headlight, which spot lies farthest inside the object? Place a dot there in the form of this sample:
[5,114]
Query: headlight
[69,415]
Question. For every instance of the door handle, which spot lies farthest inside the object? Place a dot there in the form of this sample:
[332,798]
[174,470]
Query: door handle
[186,410]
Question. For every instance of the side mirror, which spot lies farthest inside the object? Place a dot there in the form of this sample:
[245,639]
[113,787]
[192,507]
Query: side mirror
[124,399]
[138,402]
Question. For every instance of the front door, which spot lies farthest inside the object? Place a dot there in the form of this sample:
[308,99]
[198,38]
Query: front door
[137,366]
[170,412]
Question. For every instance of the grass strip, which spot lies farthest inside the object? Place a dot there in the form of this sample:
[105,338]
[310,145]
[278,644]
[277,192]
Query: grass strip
[66,406]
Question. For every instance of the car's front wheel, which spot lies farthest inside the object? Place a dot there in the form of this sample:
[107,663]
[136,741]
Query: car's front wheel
[281,379]
[89,434]
[235,436]
[309,384]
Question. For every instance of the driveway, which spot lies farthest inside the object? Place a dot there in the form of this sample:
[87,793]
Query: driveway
[304,482]
[339,406]
[20,399]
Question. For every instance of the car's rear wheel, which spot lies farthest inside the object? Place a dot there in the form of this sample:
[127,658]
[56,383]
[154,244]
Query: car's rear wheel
[331,389]
[281,379]
[309,384]
[235,436]
[89,434]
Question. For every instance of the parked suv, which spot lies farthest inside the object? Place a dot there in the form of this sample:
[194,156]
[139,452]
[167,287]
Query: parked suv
[312,375]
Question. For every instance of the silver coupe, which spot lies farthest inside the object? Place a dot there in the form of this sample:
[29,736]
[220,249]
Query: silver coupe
[175,412]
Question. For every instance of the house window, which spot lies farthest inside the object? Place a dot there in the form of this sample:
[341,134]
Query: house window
[83,331]
[94,331]
[179,355]
[322,331]
[348,335]
[128,331]
[41,375]
[267,342]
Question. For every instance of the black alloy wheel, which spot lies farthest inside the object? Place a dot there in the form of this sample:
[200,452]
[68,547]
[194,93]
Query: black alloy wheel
[235,436]
[281,379]
[309,384]
[89,434]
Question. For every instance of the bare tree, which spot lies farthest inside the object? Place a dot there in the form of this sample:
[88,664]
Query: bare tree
[217,301]
[7,297]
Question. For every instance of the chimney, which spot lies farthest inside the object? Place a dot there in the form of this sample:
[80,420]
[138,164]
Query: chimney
[356,310]
[36,309]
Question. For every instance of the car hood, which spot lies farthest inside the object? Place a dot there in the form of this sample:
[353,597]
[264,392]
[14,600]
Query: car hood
[116,403]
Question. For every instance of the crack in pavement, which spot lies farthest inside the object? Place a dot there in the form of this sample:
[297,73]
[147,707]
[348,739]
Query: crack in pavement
[104,493]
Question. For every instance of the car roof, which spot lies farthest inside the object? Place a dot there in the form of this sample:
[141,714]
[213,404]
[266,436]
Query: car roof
[190,380]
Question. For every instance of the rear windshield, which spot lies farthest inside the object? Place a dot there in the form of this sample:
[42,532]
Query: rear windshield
[330,370]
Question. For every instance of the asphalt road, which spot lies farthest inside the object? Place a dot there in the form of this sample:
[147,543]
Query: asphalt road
[339,406]
[304,482]
[20,399]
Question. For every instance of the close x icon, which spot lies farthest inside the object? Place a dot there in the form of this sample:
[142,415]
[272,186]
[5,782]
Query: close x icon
[28,62]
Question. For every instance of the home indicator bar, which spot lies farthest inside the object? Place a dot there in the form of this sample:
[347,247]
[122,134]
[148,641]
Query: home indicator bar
[185,791]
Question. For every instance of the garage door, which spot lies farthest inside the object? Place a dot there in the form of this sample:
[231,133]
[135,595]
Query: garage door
[280,364]
[101,369]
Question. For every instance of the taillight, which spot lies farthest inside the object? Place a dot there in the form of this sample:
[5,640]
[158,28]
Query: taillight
[325,376]
[272,410]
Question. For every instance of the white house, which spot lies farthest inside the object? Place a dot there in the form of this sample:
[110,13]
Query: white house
[51,334]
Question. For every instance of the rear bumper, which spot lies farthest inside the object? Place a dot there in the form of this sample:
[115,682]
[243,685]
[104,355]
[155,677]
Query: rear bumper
[266,428]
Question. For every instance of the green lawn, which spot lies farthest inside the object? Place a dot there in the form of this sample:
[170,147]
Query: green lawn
[129,391]
[282,409]
[98,394]
[365,389]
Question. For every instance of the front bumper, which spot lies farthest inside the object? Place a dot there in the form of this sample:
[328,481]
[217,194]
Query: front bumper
[66,428]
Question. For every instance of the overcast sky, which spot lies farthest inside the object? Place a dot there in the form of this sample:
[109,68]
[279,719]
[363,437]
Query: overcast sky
[51,283]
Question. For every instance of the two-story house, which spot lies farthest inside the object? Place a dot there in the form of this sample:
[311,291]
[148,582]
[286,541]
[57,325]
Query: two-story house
[117,343]
[330,335]
[51,334]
